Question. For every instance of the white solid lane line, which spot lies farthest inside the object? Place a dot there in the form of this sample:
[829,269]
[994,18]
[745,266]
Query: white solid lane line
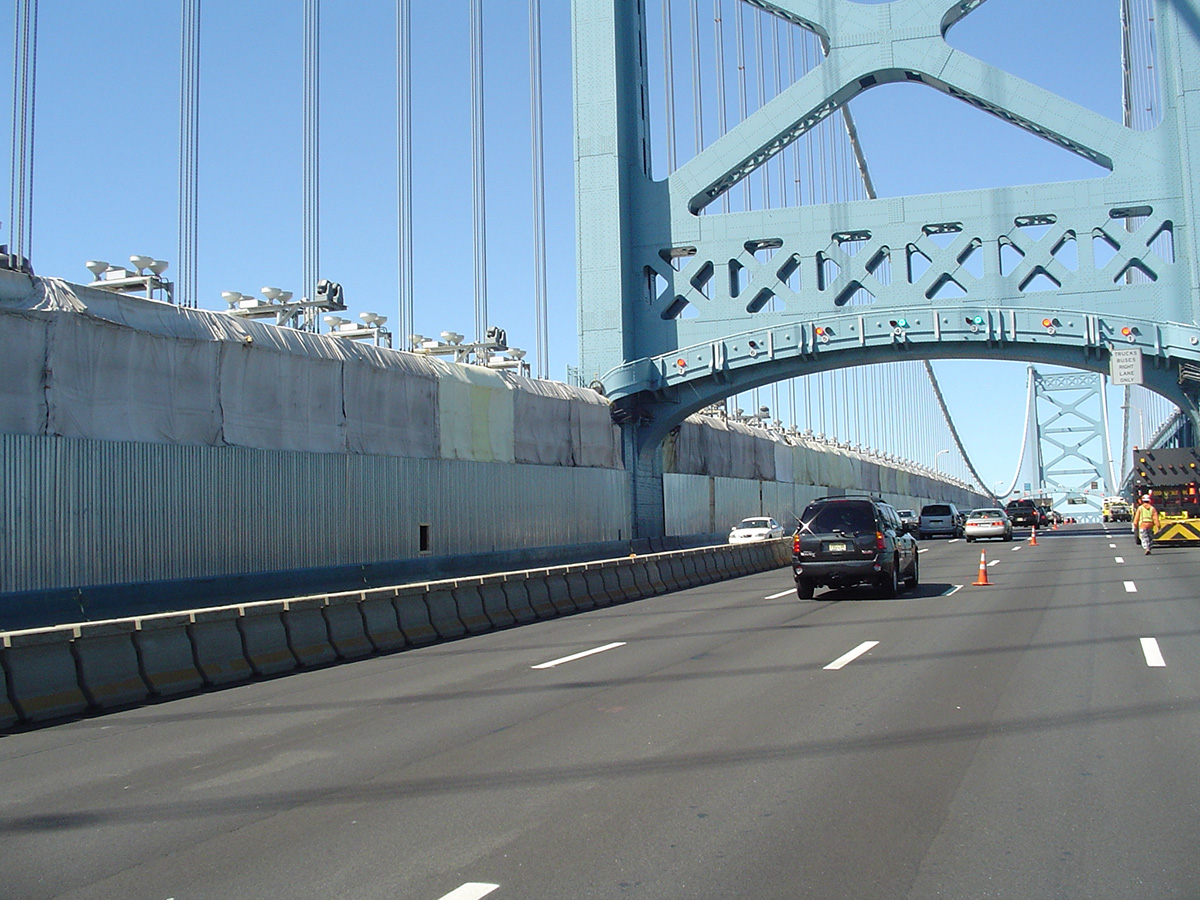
[1119,559]
[1130,587]
[1154,657]
[953,590]
[575,656]
[852,655]
[472,890]
[780,594]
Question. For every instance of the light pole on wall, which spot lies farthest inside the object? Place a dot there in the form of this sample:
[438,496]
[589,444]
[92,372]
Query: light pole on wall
[936,458]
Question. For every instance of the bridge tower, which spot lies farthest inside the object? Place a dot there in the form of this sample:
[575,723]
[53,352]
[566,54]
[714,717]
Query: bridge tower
[1118,252]
[1073,461]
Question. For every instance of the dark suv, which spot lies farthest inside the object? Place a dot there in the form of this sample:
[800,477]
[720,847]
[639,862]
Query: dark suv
[1023,512]
[852,540]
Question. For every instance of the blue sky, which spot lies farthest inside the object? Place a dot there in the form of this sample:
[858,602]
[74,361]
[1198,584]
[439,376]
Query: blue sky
[105,171]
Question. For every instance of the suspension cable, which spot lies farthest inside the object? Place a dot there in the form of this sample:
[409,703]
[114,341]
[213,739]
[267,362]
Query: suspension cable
[189,146]
[541,320]
[312,146]
[24,102]
[404,236]
[478,174]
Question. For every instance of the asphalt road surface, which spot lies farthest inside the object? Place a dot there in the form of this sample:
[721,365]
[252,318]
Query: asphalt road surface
[1034,738]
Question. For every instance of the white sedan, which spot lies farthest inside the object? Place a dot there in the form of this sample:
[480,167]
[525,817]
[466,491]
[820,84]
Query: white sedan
[756,529]
[988,523]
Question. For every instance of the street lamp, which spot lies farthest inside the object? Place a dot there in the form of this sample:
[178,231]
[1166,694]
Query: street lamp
[935,459]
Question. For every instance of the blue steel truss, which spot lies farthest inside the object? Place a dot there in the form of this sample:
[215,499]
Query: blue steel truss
[1074,462]
[636,234]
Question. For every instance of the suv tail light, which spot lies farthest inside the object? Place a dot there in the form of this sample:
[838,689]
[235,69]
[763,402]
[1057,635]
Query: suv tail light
[796,544]
[880,543]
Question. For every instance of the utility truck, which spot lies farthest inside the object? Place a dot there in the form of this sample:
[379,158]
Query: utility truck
[1116,509]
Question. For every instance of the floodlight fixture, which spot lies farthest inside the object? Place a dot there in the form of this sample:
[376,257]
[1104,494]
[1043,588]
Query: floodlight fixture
[271,293]
[231,297]
[285,296]
[141,262]
[516,353]
[158,266]
[497,337]
[335,322]
[417,339]
[452,337]
[97,267]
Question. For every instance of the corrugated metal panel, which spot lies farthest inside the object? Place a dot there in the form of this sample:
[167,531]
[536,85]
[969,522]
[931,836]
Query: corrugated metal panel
[687,499]
[76,512]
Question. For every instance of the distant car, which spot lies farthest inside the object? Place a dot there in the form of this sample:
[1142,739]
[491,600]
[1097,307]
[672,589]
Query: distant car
[939,518]
[1023,512]
[988,523]
[844,541]
[909,518]
[762,528]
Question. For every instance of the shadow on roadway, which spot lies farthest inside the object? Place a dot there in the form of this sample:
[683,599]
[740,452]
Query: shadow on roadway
[868,592]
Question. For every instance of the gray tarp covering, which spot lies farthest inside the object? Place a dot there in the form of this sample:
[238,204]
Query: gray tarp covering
[556,424]
[391,405]
[87,363]
[22,395]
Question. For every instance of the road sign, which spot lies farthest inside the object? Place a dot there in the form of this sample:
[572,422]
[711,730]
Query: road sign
[1125,366]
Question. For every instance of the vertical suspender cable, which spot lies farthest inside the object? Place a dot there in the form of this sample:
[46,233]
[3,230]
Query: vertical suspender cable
[777,65]
[805,44]
[478,175]
[189,146]
[719,47]
[697,95]
[404,248]
[740,40]
[312,147]
[24,101]
[791,55]
[669,84]
[760,72]
[541,323]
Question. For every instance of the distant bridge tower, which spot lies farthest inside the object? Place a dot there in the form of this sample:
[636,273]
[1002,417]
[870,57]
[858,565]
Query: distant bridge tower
[1072,456]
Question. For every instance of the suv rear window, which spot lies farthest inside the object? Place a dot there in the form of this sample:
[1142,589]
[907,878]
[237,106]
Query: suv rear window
[935,509]
[848,518]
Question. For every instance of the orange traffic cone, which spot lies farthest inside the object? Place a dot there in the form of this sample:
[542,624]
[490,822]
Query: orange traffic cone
[982,570]
[1033,537]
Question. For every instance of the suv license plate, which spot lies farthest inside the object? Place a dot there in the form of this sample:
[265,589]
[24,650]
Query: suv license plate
[837,548]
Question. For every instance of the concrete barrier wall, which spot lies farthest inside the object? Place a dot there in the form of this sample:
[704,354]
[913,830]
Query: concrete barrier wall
[48,674]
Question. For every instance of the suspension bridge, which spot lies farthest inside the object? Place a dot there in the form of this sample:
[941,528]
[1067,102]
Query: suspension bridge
[686,206]
[732,258]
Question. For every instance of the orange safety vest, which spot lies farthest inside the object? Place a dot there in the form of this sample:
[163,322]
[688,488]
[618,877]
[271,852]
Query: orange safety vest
[1144,518]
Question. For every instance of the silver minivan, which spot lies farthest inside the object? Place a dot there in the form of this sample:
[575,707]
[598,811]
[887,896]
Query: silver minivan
[939,518]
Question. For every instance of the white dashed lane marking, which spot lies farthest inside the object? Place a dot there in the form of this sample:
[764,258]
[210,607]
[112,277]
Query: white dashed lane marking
[1119,559]
[472,890]
[575,656]
[852,655]
[1130,587]
[1154,657]
[780,594]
